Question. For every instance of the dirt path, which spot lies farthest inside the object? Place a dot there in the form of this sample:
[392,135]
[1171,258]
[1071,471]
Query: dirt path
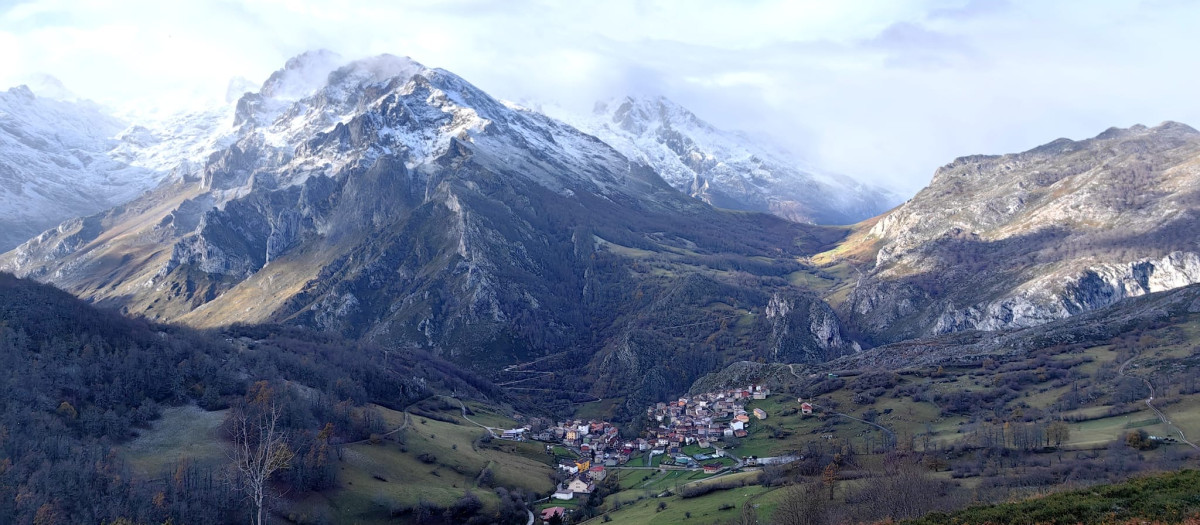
[490,430]
[888,431]
[403,425]
[1150,403]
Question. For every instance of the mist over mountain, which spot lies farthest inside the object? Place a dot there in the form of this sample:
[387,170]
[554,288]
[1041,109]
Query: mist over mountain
[63,158]
[400,204]
[54,164]
[726,169]
[376,251]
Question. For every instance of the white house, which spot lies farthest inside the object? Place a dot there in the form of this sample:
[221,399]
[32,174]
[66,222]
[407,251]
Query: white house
[579,486]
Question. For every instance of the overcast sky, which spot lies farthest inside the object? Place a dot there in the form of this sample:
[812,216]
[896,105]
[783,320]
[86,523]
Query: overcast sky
[883,90]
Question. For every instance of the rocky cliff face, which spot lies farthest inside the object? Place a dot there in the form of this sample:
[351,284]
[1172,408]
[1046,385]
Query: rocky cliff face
[727,169]
[998,242]
[387,201]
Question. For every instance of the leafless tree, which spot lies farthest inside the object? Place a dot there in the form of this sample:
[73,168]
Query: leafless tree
[802,505]
[260,446]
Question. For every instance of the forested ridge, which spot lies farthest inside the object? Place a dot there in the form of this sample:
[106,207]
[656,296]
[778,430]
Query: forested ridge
[77,382]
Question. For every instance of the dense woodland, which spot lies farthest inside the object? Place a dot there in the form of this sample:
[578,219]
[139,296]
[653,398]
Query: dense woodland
[77,381]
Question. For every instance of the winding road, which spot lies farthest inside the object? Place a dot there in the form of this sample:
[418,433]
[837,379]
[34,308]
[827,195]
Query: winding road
[1149,403]
[403,425]
[490,430]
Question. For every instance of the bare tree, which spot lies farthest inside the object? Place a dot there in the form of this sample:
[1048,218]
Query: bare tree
[260,446]
[802,505]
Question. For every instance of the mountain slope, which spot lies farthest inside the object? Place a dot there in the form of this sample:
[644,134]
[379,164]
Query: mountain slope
[399,204]
[1018,240]
[53,164]
[726,169]
[79,383]
[61,159]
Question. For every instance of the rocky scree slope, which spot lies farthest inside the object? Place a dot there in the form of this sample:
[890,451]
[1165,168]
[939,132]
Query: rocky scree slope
[386,201]
[726,169]
[1011,241]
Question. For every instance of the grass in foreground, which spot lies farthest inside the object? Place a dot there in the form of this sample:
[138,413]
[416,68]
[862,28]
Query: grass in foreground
[1169,498]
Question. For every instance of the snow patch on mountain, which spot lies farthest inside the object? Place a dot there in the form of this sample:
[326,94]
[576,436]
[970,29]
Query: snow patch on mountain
[54,165]
[62,157]
[724,168]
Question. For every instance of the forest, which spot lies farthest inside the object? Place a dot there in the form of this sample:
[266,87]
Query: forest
[76,382]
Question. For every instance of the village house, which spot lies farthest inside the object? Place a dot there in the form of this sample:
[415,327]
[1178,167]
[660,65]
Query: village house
[579,486]
[806,408]
[597,473]
[760,413]
[551,512]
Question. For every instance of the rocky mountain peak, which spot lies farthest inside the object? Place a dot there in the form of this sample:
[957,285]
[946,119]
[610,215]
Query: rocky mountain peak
[397,203]
[640,115]
[725,168]
[22,91]
[1165,129]
[1059,229]
[301,75]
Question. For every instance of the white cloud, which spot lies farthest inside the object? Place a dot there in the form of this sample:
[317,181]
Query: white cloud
[885,91]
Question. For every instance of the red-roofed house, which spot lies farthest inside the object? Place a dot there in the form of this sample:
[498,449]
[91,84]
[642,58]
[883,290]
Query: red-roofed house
[597,473]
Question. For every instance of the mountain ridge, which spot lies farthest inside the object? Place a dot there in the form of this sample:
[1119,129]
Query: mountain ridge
[401,205]
[725,169]
[1044,234]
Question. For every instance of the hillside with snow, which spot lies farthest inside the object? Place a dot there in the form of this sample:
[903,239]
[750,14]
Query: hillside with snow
[62,158]
[724,168]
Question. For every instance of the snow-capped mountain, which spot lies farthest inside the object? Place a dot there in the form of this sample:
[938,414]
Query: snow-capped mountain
[53,164]
[726,169]
[389,201]
[61,157]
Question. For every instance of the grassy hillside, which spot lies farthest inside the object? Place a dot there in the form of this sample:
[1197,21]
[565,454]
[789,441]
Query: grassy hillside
[381,479]
[972,418]
[1164,498]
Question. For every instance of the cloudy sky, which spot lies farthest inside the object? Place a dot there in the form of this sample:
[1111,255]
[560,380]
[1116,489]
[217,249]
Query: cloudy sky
[883,90]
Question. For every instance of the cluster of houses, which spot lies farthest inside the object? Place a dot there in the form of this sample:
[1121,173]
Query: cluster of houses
[582,482]
[705,418]
[595,439]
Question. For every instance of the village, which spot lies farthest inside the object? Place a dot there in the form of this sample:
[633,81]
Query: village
[709,422]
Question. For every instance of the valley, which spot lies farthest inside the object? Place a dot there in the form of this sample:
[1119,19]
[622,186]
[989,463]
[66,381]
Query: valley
[368,291]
